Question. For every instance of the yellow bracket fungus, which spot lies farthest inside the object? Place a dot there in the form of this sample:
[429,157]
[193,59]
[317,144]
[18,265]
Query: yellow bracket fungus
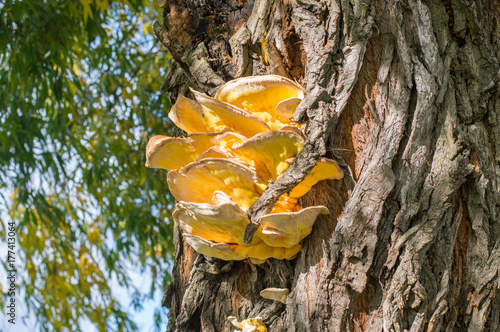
[188,115]
[289,228]
[235,252]
[249,325]
[286,107]
[240,121]
[325,169]
[173,153]
[268,152]
[237,142]
[226,223]
[276,294]
[223,222]
[198,181]
[259,95]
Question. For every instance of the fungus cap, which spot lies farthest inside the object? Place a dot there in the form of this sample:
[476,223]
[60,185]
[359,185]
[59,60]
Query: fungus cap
[176,152]
[287,107]
[259,95]
[235,252]
[198,181]
[169,152]
[268,152]
[288,229]
[222,251]
[224,222]
[231,116]
[276,294]
[249,325]
[188,115]
[325,169]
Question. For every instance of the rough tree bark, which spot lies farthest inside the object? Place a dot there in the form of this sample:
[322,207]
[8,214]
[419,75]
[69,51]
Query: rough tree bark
[407,94]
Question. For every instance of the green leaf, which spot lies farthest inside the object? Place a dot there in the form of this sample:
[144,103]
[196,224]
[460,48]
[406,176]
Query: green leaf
[72,149]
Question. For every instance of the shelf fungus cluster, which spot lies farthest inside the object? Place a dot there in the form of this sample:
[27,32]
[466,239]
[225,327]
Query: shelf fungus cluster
[237,143]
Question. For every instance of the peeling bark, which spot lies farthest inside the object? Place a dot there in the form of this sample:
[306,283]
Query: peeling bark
[405,96]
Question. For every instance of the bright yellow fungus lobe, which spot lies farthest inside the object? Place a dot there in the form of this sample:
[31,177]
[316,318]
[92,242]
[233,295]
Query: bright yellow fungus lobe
[240,121]
[188,115]
[174,153]
[237,142]
[259,94]
[324,169]
[268,152]
[286,107]
[169,153]
[198,182]
[287,229]
[224,222]
[249,325]
[235,252]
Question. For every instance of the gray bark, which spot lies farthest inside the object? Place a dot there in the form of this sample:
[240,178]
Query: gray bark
[405,96]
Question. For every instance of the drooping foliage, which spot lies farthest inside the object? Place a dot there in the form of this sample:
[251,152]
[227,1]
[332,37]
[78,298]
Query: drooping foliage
[79,96]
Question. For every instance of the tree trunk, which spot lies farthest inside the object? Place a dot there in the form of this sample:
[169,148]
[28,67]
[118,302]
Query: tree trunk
[409,90]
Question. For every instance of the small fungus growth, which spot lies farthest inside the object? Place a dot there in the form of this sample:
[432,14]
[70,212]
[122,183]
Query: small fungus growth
[237,143]
[276,294]
[248,325]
